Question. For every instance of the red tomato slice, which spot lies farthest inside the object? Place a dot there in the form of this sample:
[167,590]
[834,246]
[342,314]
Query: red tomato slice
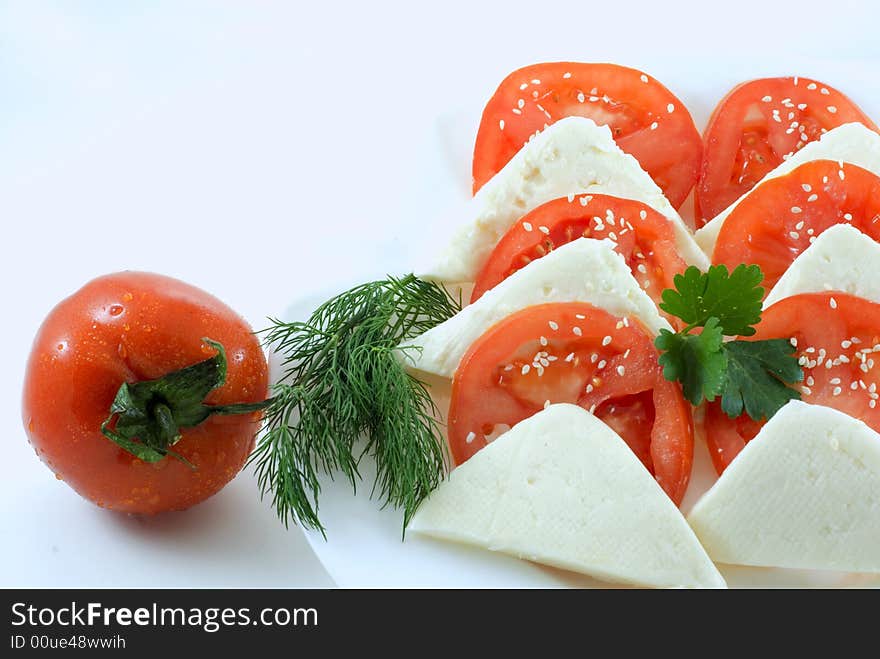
[573,353]
[784,215]
[842,329]
[755,127]
[643,236]
[646,119]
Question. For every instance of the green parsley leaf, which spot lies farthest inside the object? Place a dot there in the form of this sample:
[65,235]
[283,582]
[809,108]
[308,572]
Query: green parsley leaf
[757,377]
[696,360]
[734,298]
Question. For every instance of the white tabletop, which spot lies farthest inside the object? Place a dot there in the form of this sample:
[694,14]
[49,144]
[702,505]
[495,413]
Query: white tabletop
[296,141]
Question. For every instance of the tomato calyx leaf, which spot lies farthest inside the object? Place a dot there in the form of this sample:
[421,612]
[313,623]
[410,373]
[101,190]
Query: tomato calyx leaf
[749,376]
[146,418]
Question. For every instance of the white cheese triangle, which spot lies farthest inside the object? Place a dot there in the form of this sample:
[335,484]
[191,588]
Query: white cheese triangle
[804,493]
[571,156]
[562,489]
[584,270]
[853,143]
[841,258]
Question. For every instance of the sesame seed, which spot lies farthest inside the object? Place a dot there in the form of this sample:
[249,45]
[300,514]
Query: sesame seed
[625,321]
[799,225]
[833,303]
[847,217]
[525,369]
[524,86]
[841,174]
[589,388]
[641,268]
[795,209]
[577,331]
[569,357]
[543,340]
[810,380]
[593,99]
[606,340]
[544,230]
[536,82]
[767,99]
[643,214]
[566,75]
[585,200]
[579,316]
[643,78]
[872,403]
[601,364]
[854,385]
[794,234]
[793,342]
[802,106]
[670,108]
[832,109]
[553,324]
[470,437]
[807,390]
[654,125]
[501,124]
[593,358]
[864,368]
[836,391]
[516,111]
[812,197]
[812,85]
[824,91]
[834,380]
[581,97]
[520,104]
[621,370]
[527,226]
[845,344]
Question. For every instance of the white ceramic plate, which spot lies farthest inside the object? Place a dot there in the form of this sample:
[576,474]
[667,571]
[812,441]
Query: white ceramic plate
[364,546]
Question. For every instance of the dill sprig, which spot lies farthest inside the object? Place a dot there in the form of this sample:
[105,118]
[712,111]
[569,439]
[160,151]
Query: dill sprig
[341,381]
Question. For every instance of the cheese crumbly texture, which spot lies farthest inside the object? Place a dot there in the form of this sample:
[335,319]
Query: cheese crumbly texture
[804,493]
[852,143]
[571,156]
[561,488]
[584,270]
[841,258]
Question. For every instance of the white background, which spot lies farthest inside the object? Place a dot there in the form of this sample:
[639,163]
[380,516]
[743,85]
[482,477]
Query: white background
[265,151]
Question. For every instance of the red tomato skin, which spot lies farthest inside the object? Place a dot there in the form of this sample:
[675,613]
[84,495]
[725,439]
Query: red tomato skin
[128,327]
[633,104]
[732,131]
[763,230]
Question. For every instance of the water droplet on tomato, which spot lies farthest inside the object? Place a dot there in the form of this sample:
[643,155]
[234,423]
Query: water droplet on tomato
[116,309]
[123,353]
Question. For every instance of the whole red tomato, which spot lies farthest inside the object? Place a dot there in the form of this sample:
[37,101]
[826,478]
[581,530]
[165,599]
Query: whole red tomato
[132,327]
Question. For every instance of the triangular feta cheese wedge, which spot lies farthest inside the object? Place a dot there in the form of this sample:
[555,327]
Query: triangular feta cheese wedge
[584,270]
[841,258]
[853,143]
[571,156]
[561,488]
[804,493]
